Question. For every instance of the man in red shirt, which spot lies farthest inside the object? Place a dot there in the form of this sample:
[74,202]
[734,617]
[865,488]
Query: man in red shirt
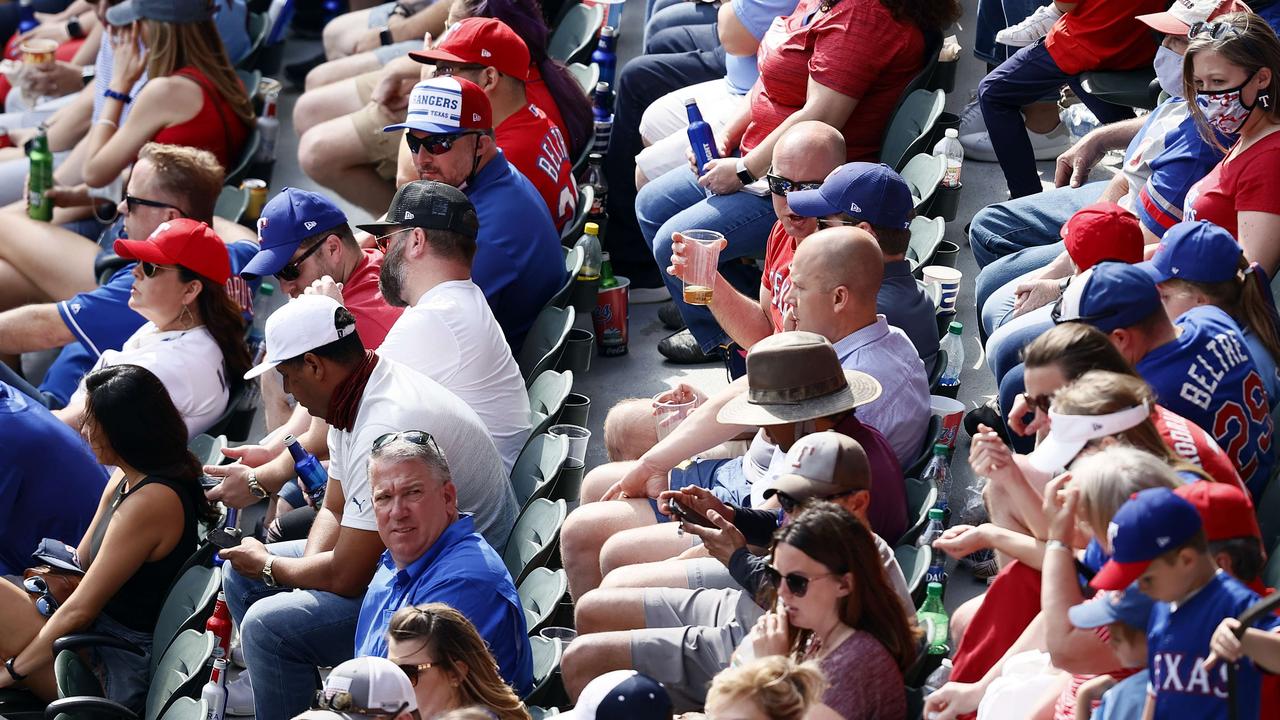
[490,54]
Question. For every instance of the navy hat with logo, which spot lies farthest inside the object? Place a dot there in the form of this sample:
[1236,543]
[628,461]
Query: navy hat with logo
[1197,251]
[1108,296]
[1151,523]
[622,695]
[868,191]
[1130,606]
[286,220]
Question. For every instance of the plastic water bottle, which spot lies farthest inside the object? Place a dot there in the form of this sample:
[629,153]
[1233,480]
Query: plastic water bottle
[601,110]
[40,178]
[27,16]
[606,55]
[942,675]
[268,129]
[953,344]
[310,471]
[701,139]
[950,148]
[937,572]
[935,622]
[219,624]
[214,692]
[938,473]
[593,253]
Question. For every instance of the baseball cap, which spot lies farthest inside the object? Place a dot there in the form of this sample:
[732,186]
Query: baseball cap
[182,241]
[821,465]
[430,205]
[170,11]
[1198,251]
[1180,16]
[1225,510]
[1102,231]
[367,687]
[622,695]
[446,106]
[1148,525]
[868,191]
[1068,434]
[1108,296]
[1129,606]
[290,216]
[300,325]
[481,41]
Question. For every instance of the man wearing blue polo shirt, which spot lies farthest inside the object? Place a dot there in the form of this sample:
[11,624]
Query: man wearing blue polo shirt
[518,262]
[434,554]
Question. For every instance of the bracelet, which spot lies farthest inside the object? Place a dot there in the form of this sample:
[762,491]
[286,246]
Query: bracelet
[112,94]
[1057,545]
[13,673]
[112,123]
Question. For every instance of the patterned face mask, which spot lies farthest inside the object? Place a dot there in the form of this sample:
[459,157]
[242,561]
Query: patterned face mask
[1224,110]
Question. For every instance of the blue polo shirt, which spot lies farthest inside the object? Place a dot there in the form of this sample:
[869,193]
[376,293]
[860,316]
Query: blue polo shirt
[460,570]
[38,501]
[519,264]
[906,306]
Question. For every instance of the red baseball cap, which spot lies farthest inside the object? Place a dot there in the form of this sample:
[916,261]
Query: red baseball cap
[1225,510]
[1180,16]
[481,41]
[189,243]
[1102,231]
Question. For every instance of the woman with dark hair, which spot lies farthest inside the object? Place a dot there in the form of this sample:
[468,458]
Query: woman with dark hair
[194,336]
[142,534]
[835,606]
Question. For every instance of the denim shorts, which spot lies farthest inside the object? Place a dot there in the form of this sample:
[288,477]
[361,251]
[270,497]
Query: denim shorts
[125,676]
[723,477]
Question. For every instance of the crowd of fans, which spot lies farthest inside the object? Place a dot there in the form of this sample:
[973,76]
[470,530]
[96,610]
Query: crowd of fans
[750,562]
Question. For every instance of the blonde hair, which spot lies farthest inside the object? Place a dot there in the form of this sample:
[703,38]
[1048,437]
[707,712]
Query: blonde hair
[172,46]
[629,429]
[1106,479]
[1252,45]
[781,688]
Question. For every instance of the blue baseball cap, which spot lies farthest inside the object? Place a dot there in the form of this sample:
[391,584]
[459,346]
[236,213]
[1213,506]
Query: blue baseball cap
[1108,296]
[1197,251]
[868,191]
[286,220]
[1151,523]
[1129,606]
[622,695]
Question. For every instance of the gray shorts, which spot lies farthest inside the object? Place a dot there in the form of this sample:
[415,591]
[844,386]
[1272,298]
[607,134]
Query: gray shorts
[709,573]
[125,676]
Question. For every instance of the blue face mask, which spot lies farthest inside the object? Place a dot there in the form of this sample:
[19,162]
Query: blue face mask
[1168,66]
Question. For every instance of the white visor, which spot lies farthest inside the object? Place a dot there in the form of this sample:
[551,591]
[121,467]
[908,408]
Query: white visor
[1068,434]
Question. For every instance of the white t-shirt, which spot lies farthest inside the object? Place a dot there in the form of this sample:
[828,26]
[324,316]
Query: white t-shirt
[188,362]
[397,398]
[451,336]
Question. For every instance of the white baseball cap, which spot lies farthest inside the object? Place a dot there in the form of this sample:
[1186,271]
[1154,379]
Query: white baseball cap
[302,324]
[1068,434]
[367,687]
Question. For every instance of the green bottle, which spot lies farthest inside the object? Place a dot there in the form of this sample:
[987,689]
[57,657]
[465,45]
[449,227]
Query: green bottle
[933,619]
[40,179]
[607,280]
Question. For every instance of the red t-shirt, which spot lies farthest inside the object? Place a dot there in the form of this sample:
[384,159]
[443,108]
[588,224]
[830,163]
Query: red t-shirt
[1191,443]
[537,93]
[360,294]
[215,128]
[1240,184]
[539,151]
[1103,35]
[777,271]
[857,49]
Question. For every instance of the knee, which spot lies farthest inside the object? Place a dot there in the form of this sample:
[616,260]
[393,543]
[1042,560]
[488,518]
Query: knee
[304,110]
[315,162]
[592,611]
[597,482]
[582,536]
[615,553]
[322,75]
[581,663]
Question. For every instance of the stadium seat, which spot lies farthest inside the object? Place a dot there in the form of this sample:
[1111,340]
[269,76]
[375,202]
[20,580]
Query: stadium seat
[546,671]
[232,202]
[258,29]
[914,562]
[535,472]
[921,495]
[545,342]
[540,596]
[208,449]
[546,399]
[574,37]
[931,437]
[573,259]
[573,230]
[538,713]
[911,127]
[586,75]
[1126,88]
[534,537]
[935,373]
[922,174]
[1269,513]
[1271,572]
[238,172]
[926,237]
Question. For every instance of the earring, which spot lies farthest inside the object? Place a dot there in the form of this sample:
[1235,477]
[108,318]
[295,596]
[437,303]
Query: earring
[190,321]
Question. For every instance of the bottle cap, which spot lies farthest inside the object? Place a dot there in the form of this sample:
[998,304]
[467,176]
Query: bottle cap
[941,449]
[592,229]
[608,31]
[936,514]
[602,87]
[952,133]
[289,440]
[595,157]
[690,101]
[955,328]
[267,289]
[604,256]
[934,589]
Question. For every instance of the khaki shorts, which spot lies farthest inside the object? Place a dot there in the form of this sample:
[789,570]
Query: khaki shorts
[380,147]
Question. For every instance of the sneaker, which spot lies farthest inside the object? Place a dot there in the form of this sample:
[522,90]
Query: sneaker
[1046,146]
[237,655]
[1032,29]
[240,695]
[670,317]
[971,118]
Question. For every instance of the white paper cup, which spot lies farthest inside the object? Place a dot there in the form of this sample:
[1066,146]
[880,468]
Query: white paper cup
[947,277]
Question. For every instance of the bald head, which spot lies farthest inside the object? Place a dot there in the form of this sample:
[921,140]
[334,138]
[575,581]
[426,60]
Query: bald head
[809,150]
[835,278]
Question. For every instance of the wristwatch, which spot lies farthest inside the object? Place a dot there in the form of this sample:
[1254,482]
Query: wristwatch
[384,36]
[75,30]
[267,577]
[13,673]
[87,74]
[744,175]
[255,489]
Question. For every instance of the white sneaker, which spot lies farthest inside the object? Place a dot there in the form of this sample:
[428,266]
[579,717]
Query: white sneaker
[1032,29]
[971,118]
[237,654]
[1046,146]
[240,696]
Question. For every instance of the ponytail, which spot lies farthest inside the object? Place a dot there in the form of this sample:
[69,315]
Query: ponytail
[574,105]
[1255,311]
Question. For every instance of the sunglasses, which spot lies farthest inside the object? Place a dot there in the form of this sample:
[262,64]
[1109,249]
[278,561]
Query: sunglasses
[1038,402]
[132,202]
[45,604]
[435,144]
[345,702]
[291,272]
[383,242]
[413,671]
[150,269]
[796,583]
[779,185]
[824,223]
[790,504]
[1214,30]
[417,437]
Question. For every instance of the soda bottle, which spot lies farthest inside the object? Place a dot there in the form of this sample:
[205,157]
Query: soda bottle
[937,571]
[214,692]
[593,255]
[596,179]
[40,178]
[607,280]
[953,344]
[219,624]
[268,129]
[600,110]
[310,471]
[27,16]
[950,148]
[935,622]
[701,139]
[938,473]
[605,55]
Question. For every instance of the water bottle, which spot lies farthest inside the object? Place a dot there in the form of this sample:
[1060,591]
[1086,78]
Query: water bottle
[268,129]
[937,572]
[701,139]
[40,178]
[310,471]
[605,55]
[603,115]
[942,675]
[938,473]
[935,622]
[592,253]
[219,624]
[279,15]
[953,344]
[600,184]
[27,16]
[607,280]
[1080,121]
[214,692]
[257,342]
[950,148]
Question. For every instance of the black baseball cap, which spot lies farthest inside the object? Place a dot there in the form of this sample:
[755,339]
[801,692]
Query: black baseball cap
[429,205]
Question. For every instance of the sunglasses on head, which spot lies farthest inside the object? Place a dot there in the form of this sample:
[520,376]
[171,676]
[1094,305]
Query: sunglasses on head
[779,185]
[345,702]
[1214,30]
[132,202]
[798,584]
[789,504]
[291,272]
[435,144]
[417,437]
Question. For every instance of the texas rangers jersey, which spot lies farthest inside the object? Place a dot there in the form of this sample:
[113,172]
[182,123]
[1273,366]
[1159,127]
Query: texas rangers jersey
[1178,643]
[1163,161]
[1208,376]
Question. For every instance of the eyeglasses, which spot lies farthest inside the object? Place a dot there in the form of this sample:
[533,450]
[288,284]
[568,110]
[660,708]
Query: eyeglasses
[1214,30]
[45,604]
[345,702]
[1038,402]
[824,223]
[149,269]
[417,437]
[413,671]
[796,583]
[779,185]
[435,144]
[384,241]
[789,504]
[291,272]
[132,202]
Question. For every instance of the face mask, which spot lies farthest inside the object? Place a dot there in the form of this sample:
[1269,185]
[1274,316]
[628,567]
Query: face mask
[1168,65]
[1224,110]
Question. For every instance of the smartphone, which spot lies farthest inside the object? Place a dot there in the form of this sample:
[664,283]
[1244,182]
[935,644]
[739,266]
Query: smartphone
[685,514]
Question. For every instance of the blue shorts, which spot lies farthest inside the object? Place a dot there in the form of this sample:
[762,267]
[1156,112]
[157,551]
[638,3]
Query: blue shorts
[724,478]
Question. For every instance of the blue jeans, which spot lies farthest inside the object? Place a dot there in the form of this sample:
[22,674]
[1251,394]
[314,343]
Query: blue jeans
[1004,228]
[1004,348]
[677,14]
[994,16]
[676,202]
[1022,79]
[997,281]
[286,634]
[1010,386]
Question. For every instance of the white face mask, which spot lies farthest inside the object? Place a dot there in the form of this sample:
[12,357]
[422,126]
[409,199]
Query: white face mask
[1225,109]
[1168,66]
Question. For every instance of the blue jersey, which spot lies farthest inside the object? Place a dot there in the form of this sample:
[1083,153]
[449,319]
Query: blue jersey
[1178,643]
[1208,376]
[1163,161]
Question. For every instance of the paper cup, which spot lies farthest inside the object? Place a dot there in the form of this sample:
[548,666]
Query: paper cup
[949,279]
[952,412]
[610,318]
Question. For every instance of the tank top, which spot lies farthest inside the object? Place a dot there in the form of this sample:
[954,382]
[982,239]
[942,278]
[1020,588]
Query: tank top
[215,128]
[136,605]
